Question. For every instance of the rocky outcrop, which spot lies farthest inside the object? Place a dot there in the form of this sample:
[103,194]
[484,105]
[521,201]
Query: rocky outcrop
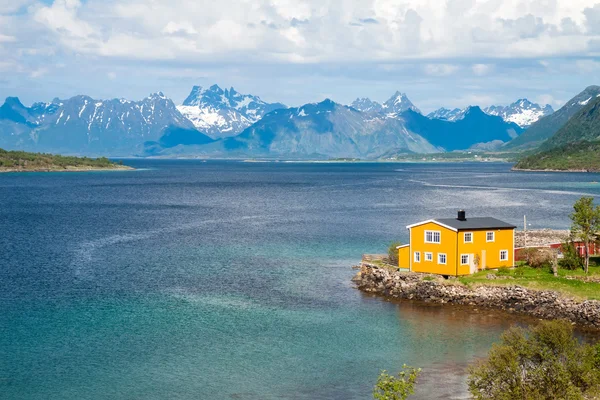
[542,304]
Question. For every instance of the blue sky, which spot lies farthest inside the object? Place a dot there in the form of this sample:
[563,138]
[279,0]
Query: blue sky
[441,53]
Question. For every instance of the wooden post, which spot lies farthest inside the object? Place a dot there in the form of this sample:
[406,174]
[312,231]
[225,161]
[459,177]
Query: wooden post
[555,262]
[525,230]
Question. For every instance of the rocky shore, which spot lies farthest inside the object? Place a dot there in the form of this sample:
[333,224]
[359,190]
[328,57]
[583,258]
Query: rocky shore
[541,304]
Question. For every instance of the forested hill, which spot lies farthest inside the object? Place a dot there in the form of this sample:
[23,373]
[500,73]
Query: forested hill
[24,161]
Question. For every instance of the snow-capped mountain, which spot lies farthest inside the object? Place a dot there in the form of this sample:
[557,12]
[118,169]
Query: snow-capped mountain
[366,105]
[446,114]
[87,126]
[221,113]
[397,104]
[522,112]
[392,108]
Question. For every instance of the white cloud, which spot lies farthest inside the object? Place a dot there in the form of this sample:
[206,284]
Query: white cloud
[322,31]
[588,66]
[456,43]
[481,69]
[181,28]
[441,69]
[38,72]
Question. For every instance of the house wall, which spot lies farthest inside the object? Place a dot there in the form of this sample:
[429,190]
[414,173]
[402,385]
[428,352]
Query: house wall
[503,240]
[404,257]
[447,246]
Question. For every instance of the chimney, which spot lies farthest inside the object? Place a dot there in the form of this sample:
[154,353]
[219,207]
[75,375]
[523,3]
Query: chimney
[462,215]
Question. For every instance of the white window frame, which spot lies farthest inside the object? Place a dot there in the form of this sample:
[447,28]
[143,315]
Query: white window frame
[429,256]
[465,237]
[468,259]
[493,237]
[445,259]
[433,234]
[417,256]
[505,259]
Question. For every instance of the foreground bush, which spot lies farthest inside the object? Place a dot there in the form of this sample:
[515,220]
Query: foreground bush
[543,362]
[399,387]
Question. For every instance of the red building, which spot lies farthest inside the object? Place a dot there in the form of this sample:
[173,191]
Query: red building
[594,249]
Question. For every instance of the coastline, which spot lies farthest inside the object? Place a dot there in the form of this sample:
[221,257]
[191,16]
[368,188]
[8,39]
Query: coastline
[68,169]
[544,304]
[552,170]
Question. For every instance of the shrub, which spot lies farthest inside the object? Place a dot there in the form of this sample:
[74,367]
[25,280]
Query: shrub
[543,362]
[571,259]
[393,253]
[389,387]
[519,272]
[537,258]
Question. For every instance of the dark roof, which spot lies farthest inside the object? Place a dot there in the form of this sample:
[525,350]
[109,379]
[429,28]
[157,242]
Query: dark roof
[475,223]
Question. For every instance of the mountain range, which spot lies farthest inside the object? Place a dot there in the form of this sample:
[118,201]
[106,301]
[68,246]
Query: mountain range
[223,122]
[82,125]
[522,112]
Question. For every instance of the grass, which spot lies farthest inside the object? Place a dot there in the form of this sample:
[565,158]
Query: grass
[540,279]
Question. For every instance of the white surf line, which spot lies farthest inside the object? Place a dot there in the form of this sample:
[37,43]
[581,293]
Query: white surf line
[84,253]
[499,188]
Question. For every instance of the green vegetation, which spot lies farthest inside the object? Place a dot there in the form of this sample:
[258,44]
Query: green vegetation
[543,279]
[571,259]
[578,156]
[23,161]
[543,362]
[575,146]
[393,253]
[583,126]
[390,387]
[586,224]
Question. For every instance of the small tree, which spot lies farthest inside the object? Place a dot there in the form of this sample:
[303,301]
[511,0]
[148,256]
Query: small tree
[586,223]
[389,387]
[393,253]
[571,259]
[543,362]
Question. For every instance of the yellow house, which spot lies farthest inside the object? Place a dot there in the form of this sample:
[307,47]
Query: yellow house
[458,246]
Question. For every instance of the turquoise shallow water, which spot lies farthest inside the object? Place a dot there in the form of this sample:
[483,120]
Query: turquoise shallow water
[227,280]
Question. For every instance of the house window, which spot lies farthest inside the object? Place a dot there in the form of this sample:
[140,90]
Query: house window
[464,259]
[433,237]
[428,256]
[441,258]
[417,256]
[489,236]
[468,237]
[503,255]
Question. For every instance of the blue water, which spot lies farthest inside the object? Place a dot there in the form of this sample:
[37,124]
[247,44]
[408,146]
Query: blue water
[231,280]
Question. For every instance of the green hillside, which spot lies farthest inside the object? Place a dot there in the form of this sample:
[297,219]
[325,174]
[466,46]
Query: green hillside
[578,156]
[24,161]
[583,126]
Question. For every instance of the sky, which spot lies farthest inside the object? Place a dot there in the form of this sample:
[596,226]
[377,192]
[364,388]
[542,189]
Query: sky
[441,53]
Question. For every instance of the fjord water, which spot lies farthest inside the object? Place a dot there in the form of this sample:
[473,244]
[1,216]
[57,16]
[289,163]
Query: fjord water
[231,280]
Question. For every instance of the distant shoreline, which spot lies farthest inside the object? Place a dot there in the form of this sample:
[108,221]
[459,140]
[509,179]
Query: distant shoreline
[68,169]
[553,170]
